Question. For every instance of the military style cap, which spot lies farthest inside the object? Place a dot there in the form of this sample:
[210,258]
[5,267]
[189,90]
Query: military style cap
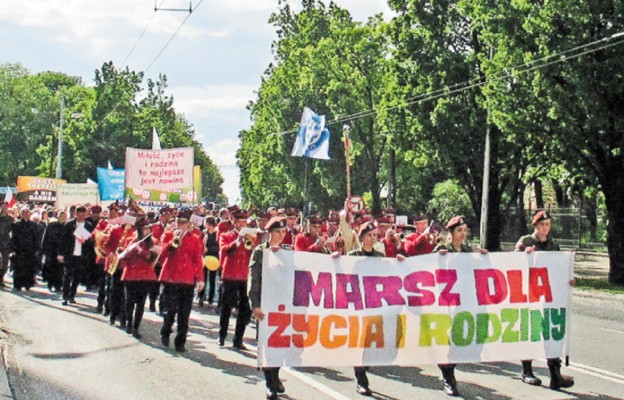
[455,222]
[419,217]
[275,223]
[315,219]
[540,216]
[96,209]
[185,213]
[366,227]
[240,214]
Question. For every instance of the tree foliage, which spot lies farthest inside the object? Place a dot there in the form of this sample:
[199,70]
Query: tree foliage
[98,124]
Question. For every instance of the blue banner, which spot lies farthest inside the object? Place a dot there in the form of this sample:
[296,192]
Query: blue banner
[111,183]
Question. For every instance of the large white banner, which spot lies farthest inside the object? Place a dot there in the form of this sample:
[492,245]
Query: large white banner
[458,307]
[69,194]
[160,175]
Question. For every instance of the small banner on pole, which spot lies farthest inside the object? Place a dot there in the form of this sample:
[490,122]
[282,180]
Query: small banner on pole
[111,183]
[35,189]
[160,175]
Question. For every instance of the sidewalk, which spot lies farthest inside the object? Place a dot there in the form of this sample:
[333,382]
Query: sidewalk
[5,389]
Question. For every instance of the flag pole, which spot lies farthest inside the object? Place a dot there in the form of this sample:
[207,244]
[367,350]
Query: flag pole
[347,144]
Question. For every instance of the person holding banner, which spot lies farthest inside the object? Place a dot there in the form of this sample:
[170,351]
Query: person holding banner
[234,253]
[277,231]
[182,269]
[457,229]
[138,274]
[367,234]
[542,240]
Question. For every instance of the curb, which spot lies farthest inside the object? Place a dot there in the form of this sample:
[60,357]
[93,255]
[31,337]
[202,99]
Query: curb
[5,389]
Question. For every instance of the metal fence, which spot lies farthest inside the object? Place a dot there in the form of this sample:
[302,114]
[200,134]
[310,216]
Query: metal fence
[573,228]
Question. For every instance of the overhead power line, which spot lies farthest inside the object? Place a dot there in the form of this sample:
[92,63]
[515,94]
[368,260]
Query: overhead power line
[477,82]
[162,50]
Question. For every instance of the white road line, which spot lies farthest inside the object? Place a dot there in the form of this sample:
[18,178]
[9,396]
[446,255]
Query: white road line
[317,385]
[612,330]
[309,381]
[597,372]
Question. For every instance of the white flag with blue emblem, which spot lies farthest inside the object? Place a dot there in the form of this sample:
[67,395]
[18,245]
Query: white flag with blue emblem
[313,138]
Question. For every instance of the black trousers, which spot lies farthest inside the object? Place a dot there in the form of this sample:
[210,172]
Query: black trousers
[136,294]
[154,289]
[101,286]
[179,301]
[234,295]
[116,298]
[271,377]
[73,272]
[360,376]
[24,270]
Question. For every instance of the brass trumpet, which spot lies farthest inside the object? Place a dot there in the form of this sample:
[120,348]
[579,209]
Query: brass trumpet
[249,244]
[175,242]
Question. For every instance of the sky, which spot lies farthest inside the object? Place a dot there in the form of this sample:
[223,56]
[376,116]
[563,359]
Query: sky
[213,64]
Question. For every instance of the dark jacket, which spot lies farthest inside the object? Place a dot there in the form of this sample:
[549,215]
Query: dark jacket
[68,240]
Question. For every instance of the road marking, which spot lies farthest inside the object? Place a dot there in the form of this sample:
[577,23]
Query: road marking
[317,385]
[597,372]
[309,381]
[612,330]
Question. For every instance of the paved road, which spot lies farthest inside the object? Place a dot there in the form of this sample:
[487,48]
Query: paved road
[56,352]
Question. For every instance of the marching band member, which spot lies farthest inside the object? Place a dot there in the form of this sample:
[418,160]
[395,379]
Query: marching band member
[234,253]
[182,269]
[138,274]
[120,235]
[542,240]
[158,230]
[277,230]
[312,241]
[457,229]
[291,228]
[422,241]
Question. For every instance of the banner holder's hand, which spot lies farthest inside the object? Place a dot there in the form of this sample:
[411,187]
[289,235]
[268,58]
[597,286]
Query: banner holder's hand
[400,257]
[258,313]
[442,252]
[335,254]
[530,249]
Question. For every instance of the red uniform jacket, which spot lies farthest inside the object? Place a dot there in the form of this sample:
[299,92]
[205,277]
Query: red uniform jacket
[391,249]
[138,263]
[157,231]
[114,241]
[183,265]
[234,257]
[305,242]
[417,244]
[289,239]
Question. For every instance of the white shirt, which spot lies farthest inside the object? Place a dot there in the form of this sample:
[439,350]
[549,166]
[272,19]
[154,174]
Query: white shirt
[77,244]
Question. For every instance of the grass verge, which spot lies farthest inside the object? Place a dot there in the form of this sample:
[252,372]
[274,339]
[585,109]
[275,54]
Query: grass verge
[598,284]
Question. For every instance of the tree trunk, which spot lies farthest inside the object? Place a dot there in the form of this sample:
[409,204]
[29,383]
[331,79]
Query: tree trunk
[495,219]
[539,194]
[613,186]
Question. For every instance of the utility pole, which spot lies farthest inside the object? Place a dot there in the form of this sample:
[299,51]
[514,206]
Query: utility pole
[59,157]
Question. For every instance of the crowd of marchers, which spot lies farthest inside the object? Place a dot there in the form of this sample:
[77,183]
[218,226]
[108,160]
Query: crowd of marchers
[173,257]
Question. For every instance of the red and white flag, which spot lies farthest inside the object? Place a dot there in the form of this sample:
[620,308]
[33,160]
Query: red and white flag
[8,197]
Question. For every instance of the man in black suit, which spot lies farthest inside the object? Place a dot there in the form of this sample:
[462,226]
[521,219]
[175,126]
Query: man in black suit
[73,252]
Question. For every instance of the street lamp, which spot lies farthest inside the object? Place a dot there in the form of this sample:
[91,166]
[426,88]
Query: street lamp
[59,157]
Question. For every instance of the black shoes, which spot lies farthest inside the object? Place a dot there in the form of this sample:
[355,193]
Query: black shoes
[152,307]
[450,388]
[180,348]
[558,381]
[65,302]
[221,342]
[529,378]
[136,334]
[99,309]
[238,346]
[164,340]
[271,394]
[363,390]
